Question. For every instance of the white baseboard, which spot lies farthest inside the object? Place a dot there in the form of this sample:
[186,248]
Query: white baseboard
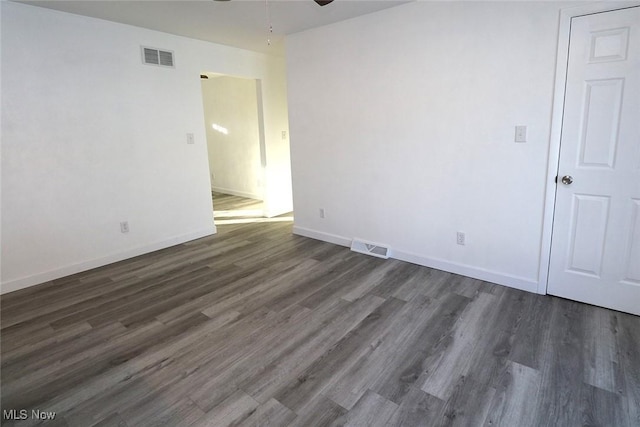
[236,193]
[508,280]
[279,210]
[469,271]
[320,235]
[36,279]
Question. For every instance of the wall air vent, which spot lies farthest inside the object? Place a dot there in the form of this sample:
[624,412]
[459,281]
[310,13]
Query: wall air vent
[153,56]
[369,248]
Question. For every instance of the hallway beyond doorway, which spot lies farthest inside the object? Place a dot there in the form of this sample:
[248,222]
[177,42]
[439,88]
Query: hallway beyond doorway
[230,209]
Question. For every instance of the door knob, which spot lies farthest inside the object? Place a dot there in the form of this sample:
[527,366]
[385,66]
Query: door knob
[567,179]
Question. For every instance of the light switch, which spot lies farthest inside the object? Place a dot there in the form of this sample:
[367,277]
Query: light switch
[190,138]
[521,134]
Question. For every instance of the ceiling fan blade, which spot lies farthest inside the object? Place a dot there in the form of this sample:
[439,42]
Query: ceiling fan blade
[320,2]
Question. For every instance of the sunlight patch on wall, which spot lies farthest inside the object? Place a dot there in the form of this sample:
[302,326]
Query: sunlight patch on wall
[221,129]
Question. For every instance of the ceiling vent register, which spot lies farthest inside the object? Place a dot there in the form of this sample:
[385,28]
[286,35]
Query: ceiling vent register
[152,56]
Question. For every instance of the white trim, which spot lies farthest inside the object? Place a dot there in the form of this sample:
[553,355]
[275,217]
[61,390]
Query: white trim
[36,279]
[556,124]
[236,193]
[503,279]
[268,213]
[320,235]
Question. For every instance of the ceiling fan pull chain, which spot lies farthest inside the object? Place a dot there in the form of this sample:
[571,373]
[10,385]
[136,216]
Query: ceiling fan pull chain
[268,13]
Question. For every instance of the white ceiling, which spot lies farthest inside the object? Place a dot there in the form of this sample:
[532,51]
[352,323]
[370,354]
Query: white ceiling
[238,23]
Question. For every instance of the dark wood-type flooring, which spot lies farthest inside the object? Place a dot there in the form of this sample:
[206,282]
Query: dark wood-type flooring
[255,326]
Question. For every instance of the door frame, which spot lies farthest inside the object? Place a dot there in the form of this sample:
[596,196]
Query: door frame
[261,137]
[562,58]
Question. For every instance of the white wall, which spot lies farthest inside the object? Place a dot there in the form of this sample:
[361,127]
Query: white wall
[92,137]
[233,140]
[402,129]
[277,190]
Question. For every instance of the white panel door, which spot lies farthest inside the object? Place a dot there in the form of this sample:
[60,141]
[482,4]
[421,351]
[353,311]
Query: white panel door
[595,250]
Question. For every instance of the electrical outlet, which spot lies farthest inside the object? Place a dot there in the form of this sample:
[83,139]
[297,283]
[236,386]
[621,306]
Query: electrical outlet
[124,227]
[460,238]
[284,134]
[321,212]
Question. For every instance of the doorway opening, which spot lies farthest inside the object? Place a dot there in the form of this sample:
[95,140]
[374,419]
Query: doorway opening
[235,146]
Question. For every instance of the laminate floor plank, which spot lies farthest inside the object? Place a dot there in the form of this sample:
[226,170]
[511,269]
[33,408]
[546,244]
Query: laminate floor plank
[457,359]
[418,409]
[380,275]
[48,298]
[321,412]
[249,289]
[220,299]
[277,293]
[251,343]
[269,414]
[415,285]
[120,398]
[562,365]
[528,344]
[465,286]
[273,359]
[412,367]
[469,403]
[190,290]
[628,341]
[601,364]
[301,390]
[59,351]
[117,348]
[208,356]
[199,255]
[490,361]
[600,407]
[511,403]
[232,410]
[337,268]
[226,372]
[394,279]
[111,306]
[47,344]
[391,346]
[157,357]
[114,420]
[271,290]
[162,412]
[255,326]
[61,315]
[20,337]
[309,348]
[371,410]
[345,284]
[266,251]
